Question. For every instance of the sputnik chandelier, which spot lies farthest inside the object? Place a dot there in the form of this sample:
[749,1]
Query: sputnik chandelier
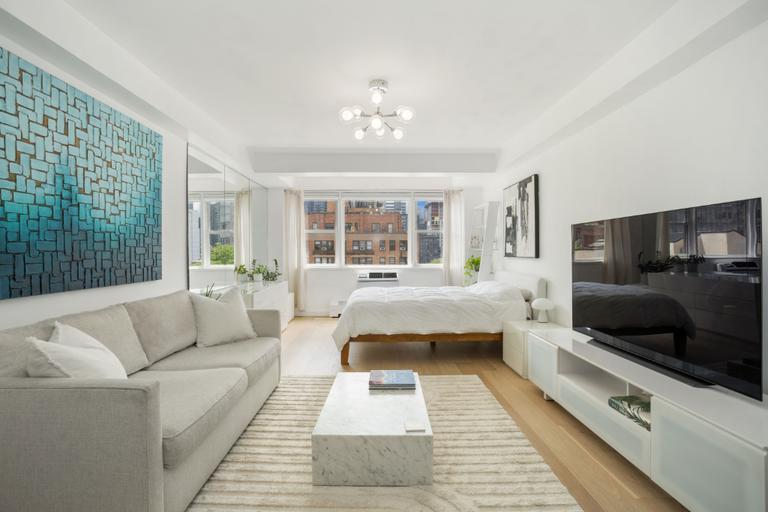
[378,122]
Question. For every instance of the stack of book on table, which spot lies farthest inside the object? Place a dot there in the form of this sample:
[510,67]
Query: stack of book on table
[391,379]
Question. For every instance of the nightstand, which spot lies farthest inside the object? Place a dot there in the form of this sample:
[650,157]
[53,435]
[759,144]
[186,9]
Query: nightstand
[515,349]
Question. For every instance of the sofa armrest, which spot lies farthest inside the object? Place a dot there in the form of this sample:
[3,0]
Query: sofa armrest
[80,444]
[266,322]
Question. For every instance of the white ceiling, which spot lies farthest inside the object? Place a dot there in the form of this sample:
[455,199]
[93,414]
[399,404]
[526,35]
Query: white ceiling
[277,72]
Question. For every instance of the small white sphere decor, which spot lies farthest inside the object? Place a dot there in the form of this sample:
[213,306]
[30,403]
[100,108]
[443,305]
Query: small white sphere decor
[542,306]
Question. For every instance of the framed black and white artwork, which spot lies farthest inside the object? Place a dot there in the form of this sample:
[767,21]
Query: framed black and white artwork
[521,218]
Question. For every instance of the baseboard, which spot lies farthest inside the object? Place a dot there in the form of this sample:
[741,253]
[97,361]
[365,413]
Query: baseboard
[312,313]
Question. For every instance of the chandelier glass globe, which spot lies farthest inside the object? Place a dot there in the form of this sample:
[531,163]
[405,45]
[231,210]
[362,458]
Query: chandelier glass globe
[379,122]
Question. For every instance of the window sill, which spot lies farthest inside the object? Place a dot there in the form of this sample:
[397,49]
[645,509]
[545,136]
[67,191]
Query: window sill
[424,266]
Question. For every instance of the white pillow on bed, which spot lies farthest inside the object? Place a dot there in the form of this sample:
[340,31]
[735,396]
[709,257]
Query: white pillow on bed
[498,291]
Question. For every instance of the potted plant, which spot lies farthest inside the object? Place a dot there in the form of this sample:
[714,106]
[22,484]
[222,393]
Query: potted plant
[691,264]
[241,271]
[471,268]
[262,272]
[210,293]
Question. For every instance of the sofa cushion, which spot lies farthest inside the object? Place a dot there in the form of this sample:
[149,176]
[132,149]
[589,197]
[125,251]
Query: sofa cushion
[221,320]
[254,356]
[111,326]
[164,324]
[192,403]
[72,353]
[14,347]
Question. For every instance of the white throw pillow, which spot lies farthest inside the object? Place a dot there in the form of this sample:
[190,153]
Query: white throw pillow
[72,353]
[221,321]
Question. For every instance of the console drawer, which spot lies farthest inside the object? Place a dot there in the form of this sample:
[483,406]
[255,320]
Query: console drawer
[702,466]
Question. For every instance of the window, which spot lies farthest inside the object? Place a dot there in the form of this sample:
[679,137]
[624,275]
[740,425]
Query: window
[719,230]
[221,233]
[210,224]
[399,229]
[363,235]
[589,242]
[321,242]
[429,230]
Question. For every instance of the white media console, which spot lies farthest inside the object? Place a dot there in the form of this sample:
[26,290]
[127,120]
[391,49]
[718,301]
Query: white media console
[707,447]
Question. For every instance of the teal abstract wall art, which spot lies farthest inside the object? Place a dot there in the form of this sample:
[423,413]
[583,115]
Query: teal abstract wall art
[80,188]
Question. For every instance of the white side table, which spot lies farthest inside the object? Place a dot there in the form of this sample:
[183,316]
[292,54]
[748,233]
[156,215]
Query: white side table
[515,344]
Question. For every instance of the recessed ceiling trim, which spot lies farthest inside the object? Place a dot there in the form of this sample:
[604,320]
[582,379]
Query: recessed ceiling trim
[373,162]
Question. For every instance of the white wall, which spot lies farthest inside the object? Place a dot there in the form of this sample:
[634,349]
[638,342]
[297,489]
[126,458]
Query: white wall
[25,310]
[697,138]
[334,284]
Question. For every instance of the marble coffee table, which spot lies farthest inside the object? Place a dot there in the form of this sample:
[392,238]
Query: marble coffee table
[361,439]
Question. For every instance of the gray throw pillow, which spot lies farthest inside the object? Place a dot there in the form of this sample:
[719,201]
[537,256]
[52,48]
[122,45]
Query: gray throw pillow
[223,320]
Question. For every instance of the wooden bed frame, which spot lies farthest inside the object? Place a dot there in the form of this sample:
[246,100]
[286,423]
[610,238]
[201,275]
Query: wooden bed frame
[442,337]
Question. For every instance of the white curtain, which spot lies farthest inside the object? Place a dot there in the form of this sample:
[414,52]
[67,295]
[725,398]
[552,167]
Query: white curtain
[620,264]
[294,239]
[662,238]
[453,238]
[243,228]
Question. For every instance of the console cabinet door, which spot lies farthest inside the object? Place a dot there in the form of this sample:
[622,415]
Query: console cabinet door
[542,365]
[702,466]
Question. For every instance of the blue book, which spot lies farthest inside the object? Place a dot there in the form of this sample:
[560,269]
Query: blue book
[391,379]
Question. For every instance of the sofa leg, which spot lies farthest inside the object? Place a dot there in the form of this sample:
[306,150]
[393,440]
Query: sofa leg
[345,355]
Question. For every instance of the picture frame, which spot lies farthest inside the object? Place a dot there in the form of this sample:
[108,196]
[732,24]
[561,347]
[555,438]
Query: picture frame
[521,218]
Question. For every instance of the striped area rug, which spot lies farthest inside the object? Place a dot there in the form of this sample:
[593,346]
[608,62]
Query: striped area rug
[482,462]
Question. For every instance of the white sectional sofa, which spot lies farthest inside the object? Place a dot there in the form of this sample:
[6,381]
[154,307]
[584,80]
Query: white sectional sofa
[147,443]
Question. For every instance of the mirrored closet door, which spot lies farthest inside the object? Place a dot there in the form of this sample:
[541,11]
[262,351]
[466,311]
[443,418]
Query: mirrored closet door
[226,222]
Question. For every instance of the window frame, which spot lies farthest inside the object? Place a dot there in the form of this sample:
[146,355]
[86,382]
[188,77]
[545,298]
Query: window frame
[587,261]
[413,242]
[205,227]
[304,231]
[340,197]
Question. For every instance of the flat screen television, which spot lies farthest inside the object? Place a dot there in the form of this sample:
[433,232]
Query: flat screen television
[681,289]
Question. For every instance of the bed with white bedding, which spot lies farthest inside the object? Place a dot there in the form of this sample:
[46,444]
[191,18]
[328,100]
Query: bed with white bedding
[445,313]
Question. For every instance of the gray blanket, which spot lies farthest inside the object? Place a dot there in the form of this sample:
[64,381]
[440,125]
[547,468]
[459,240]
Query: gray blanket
[612,306]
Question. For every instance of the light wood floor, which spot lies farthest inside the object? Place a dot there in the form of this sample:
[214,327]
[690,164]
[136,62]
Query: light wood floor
[598,477]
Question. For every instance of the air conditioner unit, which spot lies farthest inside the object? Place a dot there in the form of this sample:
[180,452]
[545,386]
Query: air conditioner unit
[368,279]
